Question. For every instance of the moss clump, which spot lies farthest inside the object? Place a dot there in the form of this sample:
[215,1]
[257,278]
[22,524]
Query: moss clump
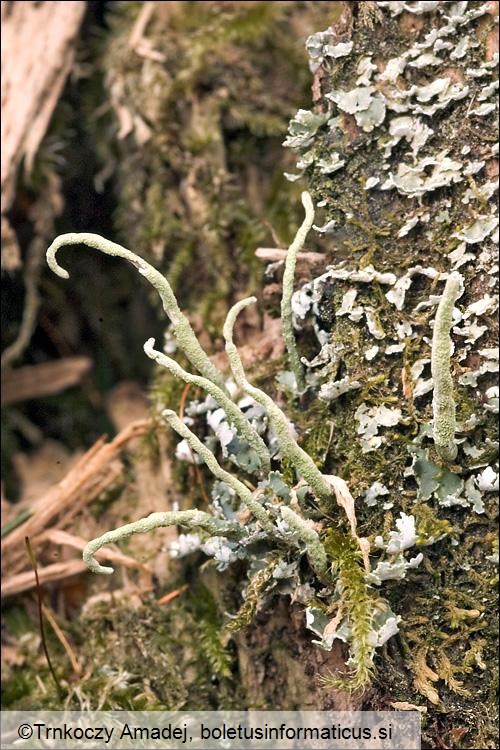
[146,657]
[358,606]
[187,185]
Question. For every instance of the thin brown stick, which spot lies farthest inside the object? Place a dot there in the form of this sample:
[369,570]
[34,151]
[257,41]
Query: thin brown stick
[63,640]
[197,472]
[182,402]
[172,595]
[32,559]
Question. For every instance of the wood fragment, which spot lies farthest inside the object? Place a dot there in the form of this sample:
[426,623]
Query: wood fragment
[56,572]
[46,379]
[97,469]
[38,47]
[273,254]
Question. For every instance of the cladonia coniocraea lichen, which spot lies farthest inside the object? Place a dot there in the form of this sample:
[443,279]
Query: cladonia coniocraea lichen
[443,402]
[287,529]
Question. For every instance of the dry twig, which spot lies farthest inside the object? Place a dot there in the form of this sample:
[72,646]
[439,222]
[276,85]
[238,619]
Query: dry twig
[96,470]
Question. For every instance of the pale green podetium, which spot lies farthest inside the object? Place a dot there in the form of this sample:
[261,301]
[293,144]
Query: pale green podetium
[301,461]
[181,328]
[248,498]
[189,519]
[267,520]
[443,402]
[288,281]
[233,413]
[303,528]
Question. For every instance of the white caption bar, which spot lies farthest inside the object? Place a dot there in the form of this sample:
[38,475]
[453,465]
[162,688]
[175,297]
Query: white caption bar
[211,730]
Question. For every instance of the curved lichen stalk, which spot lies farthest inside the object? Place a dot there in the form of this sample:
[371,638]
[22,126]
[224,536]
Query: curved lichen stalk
[181,328]
[302,462]
[233,413]
[288,281]
[443,402]
[190,519]
[355,599]
[249,499]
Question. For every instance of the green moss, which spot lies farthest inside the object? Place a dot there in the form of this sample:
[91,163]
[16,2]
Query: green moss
[192,191]
[253,597]
[429,526]
[357,604]
[149,657]
[206,611]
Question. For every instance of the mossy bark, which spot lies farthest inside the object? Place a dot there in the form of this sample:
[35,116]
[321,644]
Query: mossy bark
[448,607]
[197,101]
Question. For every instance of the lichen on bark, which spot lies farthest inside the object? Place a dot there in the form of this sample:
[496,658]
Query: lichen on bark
[399,152]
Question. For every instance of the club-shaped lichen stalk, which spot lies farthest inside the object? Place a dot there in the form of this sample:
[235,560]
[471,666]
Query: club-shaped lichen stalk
[190,519]
[302,462]
[443,402]
[181,328]
[288,282]
[233,413]
[249,499]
